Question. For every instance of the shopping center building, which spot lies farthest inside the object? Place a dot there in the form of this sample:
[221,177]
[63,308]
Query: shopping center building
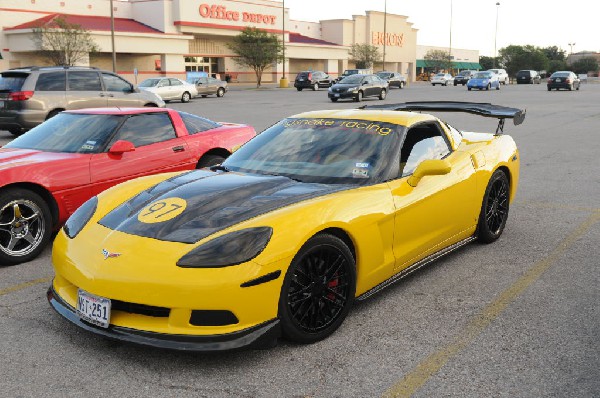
[172,37]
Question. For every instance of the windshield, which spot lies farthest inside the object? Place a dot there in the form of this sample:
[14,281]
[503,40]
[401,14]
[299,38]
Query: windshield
[353,79]
[560,74]
[384,75]
[71,133]
[149,83]
[329,151]
[350,72]
[464,73]
[483,75]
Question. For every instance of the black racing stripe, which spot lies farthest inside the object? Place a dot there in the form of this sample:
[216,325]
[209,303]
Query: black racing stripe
[214,201]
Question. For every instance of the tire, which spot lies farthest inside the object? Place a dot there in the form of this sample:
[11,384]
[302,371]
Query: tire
[469,88]
[151,105]
[488,86]
[220,92]
[185,97]
[209,160]
[382,95]
[25,226]
[359,97]
[315,87]
[53,113]
[204,95]
[549,89]
[299,88]
[333,99]
[16,131]
[498,88]
[445,84]
[401,85]
[494,209]
[570,88]
[433,84]
[326,267]
[577,88]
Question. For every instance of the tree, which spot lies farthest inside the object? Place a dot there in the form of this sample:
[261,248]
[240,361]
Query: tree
[555,65]
[63,43]
[487,62]
[554,53]
[257,50]
[585,65]
[438,59]
[514,58]
[364,55]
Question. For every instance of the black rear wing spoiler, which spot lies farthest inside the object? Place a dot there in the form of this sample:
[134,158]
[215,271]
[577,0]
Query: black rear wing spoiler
[477,108]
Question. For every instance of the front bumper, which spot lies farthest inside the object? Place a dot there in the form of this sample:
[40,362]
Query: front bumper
[261,336]
[344,95]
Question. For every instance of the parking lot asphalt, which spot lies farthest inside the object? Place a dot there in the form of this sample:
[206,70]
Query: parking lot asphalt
[516,318]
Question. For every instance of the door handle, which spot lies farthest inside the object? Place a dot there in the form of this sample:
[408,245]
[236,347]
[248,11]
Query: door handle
[178,148]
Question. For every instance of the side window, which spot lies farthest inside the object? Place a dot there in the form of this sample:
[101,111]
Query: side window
[115,83]
[422,142]
[163,83]
[203,80]
[146,129]
[195,124]
[84,81]
[175,82]
[52,81]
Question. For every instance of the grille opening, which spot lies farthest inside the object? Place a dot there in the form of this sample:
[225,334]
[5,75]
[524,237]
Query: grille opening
[212,318]
[141,309]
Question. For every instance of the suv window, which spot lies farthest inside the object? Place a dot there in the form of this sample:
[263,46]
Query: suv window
[422,142]
[53,81]
[84,81]
[146,129]
[115,83]
[12,81]
[196,124]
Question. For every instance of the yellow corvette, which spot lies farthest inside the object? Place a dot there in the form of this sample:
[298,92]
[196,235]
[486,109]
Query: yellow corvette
[278,241]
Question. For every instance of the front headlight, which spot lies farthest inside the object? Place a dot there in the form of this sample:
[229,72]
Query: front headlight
[352,89]
[82,215]
[230,249]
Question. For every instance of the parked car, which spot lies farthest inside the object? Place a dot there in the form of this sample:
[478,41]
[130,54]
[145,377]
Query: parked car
[563,79]
[170,88]
[28,96]
[321,210]
[528,77]
[502,75]
[313,80]
[484,81]
[442,79]
[350,72]
[357,87]
[393,78]
[209,85]
[48,172]
[463,77]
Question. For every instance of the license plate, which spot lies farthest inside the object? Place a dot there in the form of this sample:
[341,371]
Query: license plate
[558,80]
[301,80]
[337,95]
[93,309]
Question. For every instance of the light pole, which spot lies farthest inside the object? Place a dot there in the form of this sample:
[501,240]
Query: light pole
[496,34]
[450,50]
[283,83]
[112,37]
[384,30]
[571,45]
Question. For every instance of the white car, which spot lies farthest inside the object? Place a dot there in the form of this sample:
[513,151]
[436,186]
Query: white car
[442,78]
[170,88]
[502,75]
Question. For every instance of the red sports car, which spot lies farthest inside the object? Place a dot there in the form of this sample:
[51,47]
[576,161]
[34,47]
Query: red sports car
[52,169]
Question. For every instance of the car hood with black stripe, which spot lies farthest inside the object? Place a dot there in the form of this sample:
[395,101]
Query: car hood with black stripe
[213,201]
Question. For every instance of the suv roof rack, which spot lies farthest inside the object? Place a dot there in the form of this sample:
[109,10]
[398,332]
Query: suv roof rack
[35,67]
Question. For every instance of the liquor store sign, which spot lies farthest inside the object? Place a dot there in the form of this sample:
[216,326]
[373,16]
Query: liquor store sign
[390,39]
[218,12]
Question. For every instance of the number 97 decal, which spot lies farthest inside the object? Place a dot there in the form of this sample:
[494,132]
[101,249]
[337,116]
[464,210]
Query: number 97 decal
[162,210]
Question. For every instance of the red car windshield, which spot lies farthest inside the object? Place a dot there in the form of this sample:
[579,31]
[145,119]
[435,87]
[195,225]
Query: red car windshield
[70,133]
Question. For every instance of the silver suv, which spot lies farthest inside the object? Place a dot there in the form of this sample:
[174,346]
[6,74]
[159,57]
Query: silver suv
[31,95]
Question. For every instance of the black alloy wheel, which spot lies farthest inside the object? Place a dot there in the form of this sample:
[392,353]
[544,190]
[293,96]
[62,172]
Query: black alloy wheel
[318,290]
[494,209]
[25,226]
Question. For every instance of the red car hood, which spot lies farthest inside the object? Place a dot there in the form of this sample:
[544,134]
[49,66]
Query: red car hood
[14,157]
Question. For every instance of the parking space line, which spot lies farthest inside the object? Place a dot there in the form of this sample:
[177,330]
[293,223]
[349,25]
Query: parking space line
[24,285]
[549,205]
[410,383]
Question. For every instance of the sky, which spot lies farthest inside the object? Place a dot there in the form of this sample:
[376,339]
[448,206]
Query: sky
[520,22]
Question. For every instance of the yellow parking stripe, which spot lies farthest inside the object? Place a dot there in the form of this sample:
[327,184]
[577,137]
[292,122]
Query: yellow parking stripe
[424,370]
[24,285]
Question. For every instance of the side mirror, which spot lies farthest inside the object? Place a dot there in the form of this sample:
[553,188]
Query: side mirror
[120,147]
[134,89]
[430,167]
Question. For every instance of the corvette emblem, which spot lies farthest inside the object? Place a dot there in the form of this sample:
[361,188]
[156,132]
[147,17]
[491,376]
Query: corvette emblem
[108,254]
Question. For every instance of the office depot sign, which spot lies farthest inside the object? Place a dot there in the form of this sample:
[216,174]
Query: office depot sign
[213,11]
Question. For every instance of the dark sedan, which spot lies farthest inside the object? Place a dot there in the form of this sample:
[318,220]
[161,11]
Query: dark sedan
[393,78]
[563,79]
[357,87]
